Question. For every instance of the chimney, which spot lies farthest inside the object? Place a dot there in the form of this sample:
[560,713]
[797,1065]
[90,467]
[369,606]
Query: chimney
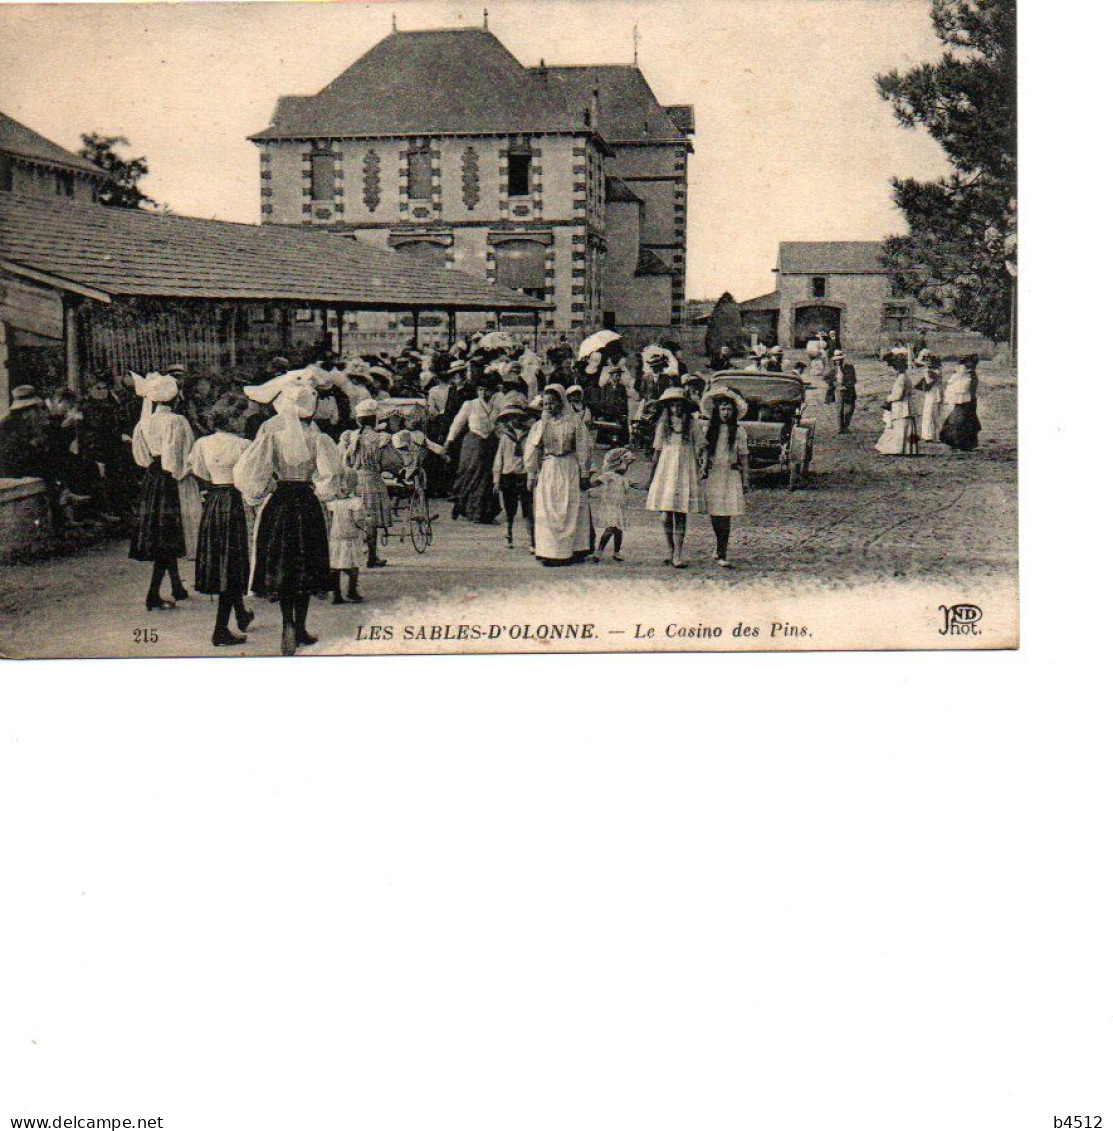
[543,71]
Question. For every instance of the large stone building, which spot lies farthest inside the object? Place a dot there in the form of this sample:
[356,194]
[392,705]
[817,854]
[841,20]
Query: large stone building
[567,183]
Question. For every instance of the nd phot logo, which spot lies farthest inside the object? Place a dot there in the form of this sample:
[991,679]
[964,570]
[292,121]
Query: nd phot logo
[960,620]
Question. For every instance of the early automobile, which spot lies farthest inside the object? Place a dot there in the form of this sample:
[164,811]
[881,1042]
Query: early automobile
[779,436]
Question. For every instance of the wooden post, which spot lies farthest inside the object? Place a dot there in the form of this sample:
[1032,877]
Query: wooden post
[340,331]
[73,351]
[416,340]
[537,331]
[451,327]
[5,379]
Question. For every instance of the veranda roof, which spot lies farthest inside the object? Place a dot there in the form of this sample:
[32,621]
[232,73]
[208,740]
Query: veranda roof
[124,252]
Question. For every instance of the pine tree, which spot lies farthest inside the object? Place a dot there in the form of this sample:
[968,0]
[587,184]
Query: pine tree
[960,254]
[124,191]
[724,327]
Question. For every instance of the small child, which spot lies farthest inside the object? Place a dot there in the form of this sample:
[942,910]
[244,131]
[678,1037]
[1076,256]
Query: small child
[347,539]
[508,473]
[608,497]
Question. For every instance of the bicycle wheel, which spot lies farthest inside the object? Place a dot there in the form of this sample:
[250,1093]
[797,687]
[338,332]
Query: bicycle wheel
[421,529]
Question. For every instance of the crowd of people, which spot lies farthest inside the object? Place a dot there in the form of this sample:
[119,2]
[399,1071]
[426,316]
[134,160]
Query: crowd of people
[288,488]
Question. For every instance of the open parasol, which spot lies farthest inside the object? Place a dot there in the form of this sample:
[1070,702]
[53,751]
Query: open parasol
[596,342]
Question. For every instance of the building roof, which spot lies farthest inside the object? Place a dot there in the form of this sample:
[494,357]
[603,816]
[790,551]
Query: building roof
[618,191]
[129,252]
[628,108]
[650,263]
[429,82]
[771,301]
[22,141]
[836,257]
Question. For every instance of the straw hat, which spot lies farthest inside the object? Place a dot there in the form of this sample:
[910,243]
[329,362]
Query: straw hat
[707,405]
[676,396]
[366,410]
[24,396]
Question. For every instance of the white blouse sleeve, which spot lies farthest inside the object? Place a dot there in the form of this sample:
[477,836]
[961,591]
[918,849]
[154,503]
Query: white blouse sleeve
[327,467]
[460,424]
[140,450]
[531,452]
[254,473]
[583,447]
[196,462]
[176,447]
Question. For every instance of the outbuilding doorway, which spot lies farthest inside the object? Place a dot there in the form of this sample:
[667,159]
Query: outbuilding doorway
[809,320]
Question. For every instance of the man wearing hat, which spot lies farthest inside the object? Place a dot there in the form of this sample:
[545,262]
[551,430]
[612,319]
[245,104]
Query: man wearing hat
[844,383]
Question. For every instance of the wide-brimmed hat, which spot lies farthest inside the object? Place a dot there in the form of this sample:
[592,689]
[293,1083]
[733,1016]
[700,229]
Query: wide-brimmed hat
[458,366]
[574,391]
[24,396]
[691,378]
[838,355]
[507,411]
[676,396]
[618,458]
[366,410]
[722,393]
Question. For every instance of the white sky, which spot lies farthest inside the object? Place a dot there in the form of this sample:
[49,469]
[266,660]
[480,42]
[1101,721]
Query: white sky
[792,141]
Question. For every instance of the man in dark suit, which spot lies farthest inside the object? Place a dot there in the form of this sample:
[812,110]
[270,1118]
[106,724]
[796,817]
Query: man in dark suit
[844,380]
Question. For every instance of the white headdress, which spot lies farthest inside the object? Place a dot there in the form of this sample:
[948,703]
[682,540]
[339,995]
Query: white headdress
[155,388]
[294,396]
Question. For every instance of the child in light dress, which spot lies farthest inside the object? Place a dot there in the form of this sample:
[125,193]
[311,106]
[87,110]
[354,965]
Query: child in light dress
[608,500]
[347,538]
[675,490]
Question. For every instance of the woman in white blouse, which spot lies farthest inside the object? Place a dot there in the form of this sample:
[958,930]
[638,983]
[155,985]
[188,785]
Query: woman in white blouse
[292,465]
[556,455]
[475,489]
[223,555]
[160,444]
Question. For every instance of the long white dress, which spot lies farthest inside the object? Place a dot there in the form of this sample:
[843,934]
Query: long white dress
[556,452]
[931,411]
[724,479]
[676,482]
[894,439]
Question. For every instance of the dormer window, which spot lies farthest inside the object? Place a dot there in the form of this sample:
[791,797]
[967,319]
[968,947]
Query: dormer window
[63,184]
[819,286]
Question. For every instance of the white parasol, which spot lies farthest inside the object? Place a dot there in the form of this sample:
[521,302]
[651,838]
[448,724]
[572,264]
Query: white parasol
[496,340]
[596,342]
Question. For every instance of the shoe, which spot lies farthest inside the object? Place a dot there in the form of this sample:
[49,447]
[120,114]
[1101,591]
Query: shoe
[724,563]
[289,640]
[355,597]
[596,558]
[679,565]
[303,638]
[337,599]
[224,638]
[180,594]
[619,558]
[243,624]
[158,603]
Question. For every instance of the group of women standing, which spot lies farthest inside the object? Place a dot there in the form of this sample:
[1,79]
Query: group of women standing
[284,474]
[948,411]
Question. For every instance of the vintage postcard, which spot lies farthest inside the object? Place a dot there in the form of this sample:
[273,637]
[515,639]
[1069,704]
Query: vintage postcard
[542,327]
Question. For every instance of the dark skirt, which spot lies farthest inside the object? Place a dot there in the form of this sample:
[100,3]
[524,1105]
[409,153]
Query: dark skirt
[291,544]
[223,555]
[960,429]
[158,535]
[475,488]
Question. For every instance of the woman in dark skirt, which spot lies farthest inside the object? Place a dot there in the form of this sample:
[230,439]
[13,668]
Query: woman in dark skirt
[474,491]
[223,554]
[160,444]
[291,465]
[960,429]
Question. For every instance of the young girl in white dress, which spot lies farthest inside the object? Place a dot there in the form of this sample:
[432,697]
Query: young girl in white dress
[726,466]
[674,488]
[608,499]
[347,536]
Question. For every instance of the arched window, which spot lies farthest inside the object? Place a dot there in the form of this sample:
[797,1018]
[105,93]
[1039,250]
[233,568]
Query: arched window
[425,251]
[520,265]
